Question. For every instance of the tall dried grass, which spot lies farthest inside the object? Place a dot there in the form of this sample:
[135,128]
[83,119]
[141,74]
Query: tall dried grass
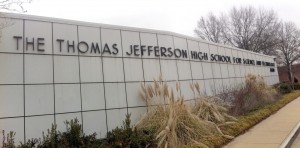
[254,93]
[173,122]
[207,109]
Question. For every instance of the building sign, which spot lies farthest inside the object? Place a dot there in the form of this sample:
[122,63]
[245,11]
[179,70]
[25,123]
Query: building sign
[135,51]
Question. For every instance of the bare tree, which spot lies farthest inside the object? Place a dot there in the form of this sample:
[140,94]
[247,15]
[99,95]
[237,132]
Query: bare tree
[210,28]
[13,5]
[288,50]
[10,6]
[247,28]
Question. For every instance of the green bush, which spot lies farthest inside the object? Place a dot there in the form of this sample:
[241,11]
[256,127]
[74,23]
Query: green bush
[8,140]
[127,137]
[73,137]
[50,139]
[283,88]
[296,86]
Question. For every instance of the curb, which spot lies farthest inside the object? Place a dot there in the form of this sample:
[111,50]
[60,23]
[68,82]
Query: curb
[290,139]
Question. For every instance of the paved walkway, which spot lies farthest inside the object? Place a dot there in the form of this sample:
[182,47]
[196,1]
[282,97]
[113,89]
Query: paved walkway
[271,132]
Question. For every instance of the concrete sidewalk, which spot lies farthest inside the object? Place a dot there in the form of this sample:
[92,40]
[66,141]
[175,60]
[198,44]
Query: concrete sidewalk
[271,132]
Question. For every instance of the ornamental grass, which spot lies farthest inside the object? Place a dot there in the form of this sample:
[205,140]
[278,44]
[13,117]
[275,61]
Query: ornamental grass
[253,94]
[173,122]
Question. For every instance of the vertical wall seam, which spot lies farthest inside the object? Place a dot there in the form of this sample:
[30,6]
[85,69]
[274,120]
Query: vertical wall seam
[228,76]
[53,82]
[202,68]
[233,67]
[189,56]
[242,76]
[142,66]
[80,87]
[144,79]
[103,79]
[124,75]
[53,78]
[24,93]
[214,90]
[222,78]
[178,79]
[159,59]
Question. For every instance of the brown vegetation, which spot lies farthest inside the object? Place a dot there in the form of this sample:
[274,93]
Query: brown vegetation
[177,124]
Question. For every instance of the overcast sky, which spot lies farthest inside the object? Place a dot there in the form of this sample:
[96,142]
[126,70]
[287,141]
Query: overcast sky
[178,16]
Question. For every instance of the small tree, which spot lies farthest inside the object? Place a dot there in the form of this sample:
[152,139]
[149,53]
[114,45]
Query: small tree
[288,49]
